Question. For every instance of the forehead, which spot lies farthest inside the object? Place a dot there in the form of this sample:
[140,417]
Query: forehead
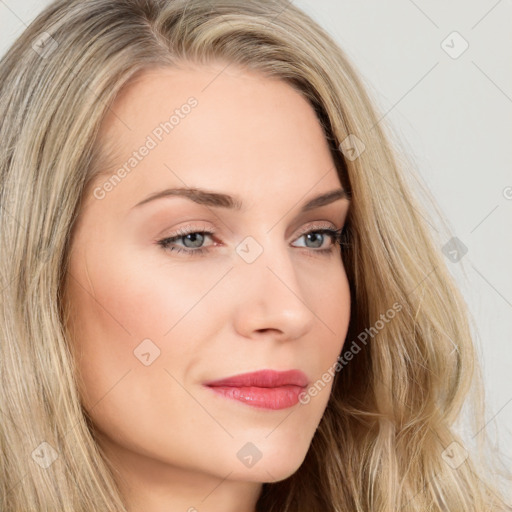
[207,125]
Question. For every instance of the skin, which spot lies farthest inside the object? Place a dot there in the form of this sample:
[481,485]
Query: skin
[173,441]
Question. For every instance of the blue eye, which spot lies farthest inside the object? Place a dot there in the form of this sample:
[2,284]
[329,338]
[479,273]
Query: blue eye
[193,240]
[189,237]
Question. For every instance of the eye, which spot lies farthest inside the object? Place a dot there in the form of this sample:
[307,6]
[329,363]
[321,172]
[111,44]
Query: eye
[193,240]
[318,236]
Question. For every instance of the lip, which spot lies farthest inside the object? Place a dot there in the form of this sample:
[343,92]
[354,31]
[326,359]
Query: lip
[264,379]
[268,389]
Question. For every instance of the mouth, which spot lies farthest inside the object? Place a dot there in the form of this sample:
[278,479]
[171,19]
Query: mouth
[266,389]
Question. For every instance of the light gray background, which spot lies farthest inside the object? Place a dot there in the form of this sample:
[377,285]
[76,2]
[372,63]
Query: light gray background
[453,117]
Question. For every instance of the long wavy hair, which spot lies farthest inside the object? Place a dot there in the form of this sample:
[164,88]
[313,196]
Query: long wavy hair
[388,438]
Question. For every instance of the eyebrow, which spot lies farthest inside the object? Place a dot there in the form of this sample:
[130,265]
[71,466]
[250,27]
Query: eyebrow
[220,200]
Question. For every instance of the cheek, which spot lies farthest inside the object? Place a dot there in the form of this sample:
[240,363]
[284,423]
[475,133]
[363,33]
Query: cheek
[126,314]
[331,305]
[328,296]
[126,306]
[134,296]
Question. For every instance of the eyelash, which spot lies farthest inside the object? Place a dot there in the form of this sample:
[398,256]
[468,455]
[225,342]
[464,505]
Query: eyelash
[336,237]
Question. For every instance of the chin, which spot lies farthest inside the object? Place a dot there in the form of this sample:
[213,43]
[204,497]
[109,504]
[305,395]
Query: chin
[274,467]
[267,473]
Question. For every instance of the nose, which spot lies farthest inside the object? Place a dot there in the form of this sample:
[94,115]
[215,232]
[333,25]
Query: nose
[272,301]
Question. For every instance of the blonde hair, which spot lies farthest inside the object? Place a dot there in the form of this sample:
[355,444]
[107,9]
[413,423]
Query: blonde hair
[381,443]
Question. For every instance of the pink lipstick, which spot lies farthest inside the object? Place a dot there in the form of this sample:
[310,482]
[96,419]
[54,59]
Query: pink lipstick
[268,389]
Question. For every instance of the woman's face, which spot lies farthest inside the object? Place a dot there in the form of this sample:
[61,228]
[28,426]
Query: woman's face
[152,324]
